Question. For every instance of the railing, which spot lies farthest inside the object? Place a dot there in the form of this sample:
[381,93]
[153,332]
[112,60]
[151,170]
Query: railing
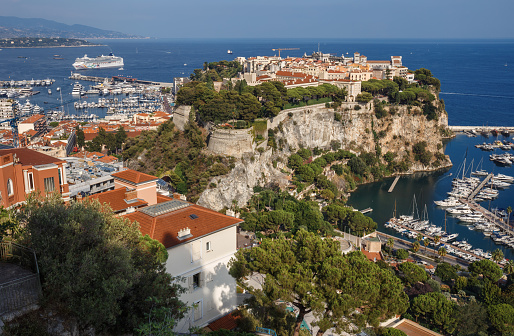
[19,255]
[25,290]
[19,293]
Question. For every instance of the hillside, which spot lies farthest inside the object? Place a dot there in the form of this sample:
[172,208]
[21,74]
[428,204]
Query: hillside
[11,27]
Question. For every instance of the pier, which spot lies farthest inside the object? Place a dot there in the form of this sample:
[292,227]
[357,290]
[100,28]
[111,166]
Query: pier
[479,187]
[488,215]
[366,210]
[77,76]
[480,128]
[394,184]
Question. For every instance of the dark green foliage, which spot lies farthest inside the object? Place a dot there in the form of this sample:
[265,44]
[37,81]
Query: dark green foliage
[487,268]
[95,266]
[490,293]
[380,87]
[402,254]
[312,274]
[30,324]
[357,166]
[80,136]
[471,318]
[421,154]
[502,317]
[435,309]
[380,111]
[364,97]
[178,155]
[445,271]
[216,71]
[392,332]
[412,273]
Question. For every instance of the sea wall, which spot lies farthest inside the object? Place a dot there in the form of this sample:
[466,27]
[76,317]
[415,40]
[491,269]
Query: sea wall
[231,142]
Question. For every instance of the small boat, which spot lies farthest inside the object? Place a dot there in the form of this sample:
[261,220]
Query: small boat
[229,51]
[494,132]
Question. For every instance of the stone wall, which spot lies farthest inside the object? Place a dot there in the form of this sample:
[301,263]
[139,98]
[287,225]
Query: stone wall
[231,142]
[181,116]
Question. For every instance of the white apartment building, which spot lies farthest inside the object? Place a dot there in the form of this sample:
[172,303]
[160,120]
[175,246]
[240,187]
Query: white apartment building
[200,243]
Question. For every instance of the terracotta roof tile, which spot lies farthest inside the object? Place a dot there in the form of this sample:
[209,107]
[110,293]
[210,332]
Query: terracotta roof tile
[134,176]
[32,119]
[29,157]
[227,322]
[116,199]
[165,227]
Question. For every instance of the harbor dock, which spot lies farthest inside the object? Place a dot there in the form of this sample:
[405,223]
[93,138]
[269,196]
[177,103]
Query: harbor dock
[394,184]
[77,76]
[480,128]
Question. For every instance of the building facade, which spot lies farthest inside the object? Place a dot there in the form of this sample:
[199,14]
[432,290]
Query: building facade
[23,171]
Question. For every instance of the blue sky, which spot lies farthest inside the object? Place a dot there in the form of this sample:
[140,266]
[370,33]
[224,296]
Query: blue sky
[281,18]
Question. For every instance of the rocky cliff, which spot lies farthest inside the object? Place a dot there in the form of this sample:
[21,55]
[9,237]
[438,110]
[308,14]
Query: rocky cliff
[356,129]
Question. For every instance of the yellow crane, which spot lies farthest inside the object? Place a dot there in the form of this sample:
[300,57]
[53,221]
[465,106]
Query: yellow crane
[280,49]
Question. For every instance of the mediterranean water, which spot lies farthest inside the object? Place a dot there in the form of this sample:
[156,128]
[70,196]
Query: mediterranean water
[476,77]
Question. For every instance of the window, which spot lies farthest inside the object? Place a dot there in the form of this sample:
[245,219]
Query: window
[208,246]
[196,250]
[31,181]
[49,184]
[195,281]
[60,176]
[10,188]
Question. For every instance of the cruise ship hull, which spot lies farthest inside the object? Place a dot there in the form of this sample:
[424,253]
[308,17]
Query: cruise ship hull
[100,62]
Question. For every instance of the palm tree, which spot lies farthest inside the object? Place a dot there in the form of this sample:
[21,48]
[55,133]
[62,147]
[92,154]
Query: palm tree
[509,267]
[415,246]
[390,242]
[419,237]
[497,255]
[441,252]
[426,241]
[437,239]
[509,210]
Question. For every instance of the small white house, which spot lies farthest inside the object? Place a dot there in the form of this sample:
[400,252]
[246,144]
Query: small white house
[200,243]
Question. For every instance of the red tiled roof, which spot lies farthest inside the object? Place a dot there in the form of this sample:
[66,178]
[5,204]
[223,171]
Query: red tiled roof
[116,200]
[32,119]
[134,176]
[227,322]
[29,157]
[165,227]
[372,255]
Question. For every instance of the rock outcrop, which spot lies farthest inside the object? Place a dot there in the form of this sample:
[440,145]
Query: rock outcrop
[317,126]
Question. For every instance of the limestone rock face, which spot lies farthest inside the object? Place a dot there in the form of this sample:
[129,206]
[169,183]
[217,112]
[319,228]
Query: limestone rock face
[316,126]
[231,142]
[249,171]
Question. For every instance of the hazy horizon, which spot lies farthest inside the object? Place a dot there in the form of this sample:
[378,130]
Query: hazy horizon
[402,19]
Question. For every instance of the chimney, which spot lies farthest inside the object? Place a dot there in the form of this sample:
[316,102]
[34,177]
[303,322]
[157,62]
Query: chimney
[130,194]
[184,232]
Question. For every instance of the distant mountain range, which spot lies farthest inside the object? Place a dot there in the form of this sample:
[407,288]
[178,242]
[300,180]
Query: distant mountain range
[11,26]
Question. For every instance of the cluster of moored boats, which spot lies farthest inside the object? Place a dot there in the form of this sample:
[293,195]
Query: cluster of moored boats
[505,145]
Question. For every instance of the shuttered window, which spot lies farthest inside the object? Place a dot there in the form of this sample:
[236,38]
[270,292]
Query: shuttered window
[49,184]
[197,310]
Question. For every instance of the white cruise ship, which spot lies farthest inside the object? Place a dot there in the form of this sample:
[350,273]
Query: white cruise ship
[99,62]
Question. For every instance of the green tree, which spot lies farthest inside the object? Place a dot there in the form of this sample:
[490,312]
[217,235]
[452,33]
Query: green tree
[364,97]
[502,317]
[497,255]
[436,309]
[509,210]
[80,136]
[490,293]
[412,273]
[441,252]
[509,267]
[415,246]
[120,137]
[471,319]
[487,268]
[426,242]
[390,242]
[445,271]
[393,332]
[313,275]
[95,266]
[402,254]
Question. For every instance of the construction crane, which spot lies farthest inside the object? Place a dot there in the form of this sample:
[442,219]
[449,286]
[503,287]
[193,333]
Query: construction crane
[280,49]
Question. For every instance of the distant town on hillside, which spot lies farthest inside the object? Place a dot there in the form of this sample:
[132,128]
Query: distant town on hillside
[11,27]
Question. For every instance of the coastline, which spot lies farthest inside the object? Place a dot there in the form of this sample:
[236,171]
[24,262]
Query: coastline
[42,47]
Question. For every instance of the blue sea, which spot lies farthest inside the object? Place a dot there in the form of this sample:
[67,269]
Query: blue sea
[476,77]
